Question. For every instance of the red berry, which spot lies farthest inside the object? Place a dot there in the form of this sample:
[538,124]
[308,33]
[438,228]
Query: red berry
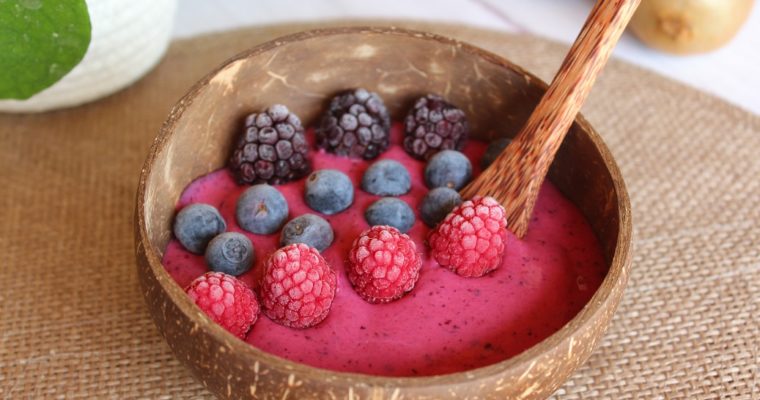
[226,300]
[472,238]
[383,264]
[298,286]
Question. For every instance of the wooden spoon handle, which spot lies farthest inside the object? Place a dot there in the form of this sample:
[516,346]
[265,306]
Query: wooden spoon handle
[552,117]
[522,166]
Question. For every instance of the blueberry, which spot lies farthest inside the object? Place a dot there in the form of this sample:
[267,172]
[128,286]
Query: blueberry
[386,178]
[230,253]
[492,151]
[261,209]
[195,226]
[448,168]
[390,211]
[309,229]
[329,191]
[437,203]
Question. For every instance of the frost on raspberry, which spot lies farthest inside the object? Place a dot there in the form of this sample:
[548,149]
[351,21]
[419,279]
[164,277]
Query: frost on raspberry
[226,300]
[472,238]
[383,264]
[298,286]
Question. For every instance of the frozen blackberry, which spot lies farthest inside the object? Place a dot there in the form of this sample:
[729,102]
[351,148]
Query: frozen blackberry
[356,125]
[271,149]
[432,125]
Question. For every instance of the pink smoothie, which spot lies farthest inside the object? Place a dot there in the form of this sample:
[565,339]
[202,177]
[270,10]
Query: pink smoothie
[447,323]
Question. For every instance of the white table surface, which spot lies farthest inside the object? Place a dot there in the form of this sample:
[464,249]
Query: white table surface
[732,72]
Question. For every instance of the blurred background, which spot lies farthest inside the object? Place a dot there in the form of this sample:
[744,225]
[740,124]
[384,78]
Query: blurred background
[731,71]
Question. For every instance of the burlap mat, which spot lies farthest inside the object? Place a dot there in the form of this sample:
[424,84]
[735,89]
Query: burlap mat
[73,323]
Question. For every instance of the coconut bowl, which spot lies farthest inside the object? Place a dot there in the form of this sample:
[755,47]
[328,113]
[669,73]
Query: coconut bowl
[303,71]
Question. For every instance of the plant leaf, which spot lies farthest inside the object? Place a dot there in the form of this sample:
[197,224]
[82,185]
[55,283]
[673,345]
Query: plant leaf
[40,42]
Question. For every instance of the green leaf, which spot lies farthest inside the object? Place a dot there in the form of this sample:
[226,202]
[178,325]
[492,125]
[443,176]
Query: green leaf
[40,42]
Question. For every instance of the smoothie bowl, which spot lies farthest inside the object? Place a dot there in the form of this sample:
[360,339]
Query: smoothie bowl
[517,331]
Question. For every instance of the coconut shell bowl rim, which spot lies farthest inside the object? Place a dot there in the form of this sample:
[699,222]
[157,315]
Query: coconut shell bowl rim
[604,301]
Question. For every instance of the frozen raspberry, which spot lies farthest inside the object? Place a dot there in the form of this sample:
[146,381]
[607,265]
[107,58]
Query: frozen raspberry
[226,300]
[472,238]
[355,125]
[433,124]
[383,264]
[298,286]
[271,149]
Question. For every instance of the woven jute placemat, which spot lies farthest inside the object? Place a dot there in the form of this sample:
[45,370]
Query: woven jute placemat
[73,323]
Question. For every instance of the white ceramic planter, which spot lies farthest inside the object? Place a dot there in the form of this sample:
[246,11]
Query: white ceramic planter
[128,39]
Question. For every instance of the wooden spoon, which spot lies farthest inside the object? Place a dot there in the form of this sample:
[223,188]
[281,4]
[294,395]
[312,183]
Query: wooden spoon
[516,175]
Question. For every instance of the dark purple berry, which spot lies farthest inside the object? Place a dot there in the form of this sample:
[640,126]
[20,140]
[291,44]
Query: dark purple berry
[432,125]
[356,124]
[271,149]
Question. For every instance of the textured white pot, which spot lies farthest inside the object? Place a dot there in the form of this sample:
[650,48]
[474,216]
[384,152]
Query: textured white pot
[128,39]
